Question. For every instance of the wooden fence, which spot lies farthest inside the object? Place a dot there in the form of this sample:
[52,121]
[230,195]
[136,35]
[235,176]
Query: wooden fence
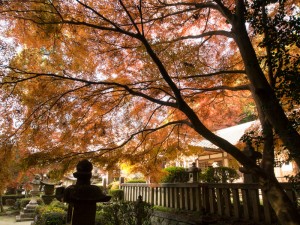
[240,201]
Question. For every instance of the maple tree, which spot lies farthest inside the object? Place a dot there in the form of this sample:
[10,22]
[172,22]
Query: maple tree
[136,77]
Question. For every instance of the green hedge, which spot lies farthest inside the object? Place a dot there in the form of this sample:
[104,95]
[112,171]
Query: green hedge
[123,213]
[136,181]
[21,203]
[116,194]
[53,214]
[219,174]
[15,197]
[175,175]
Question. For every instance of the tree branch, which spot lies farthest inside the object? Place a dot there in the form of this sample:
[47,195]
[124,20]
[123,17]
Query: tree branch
[206,34]
[112,84]
[217,88]
[146,131]
[221,72]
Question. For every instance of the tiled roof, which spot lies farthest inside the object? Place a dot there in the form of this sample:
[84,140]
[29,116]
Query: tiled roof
[231,134]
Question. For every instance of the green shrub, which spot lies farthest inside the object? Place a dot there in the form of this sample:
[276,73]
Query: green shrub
[15,197]
[116,194]
[21,203]
[57,204]
[163,209]
[136,181]
[123,213]
[175,174]
[113,185]
[220,174]
[53,214]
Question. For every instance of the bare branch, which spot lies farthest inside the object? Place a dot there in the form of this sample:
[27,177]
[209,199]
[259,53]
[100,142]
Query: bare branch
[130,17]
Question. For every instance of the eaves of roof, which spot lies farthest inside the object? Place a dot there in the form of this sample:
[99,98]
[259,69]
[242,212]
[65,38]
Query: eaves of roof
[231,134]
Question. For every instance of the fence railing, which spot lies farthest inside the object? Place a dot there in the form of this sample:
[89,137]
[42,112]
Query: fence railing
[241,201]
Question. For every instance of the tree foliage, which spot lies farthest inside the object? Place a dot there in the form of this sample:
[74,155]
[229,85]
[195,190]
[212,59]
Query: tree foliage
[279,28]
[124,79]
[9,169]
[87,90]
[276,31]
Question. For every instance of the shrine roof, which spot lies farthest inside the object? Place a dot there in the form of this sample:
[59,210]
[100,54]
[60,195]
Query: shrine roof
[231,134]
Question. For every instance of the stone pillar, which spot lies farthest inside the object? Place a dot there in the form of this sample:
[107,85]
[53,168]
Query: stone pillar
[82,197]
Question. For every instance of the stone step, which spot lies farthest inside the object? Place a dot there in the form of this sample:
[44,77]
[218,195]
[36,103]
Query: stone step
[19,219]
[29,210]
[27,215]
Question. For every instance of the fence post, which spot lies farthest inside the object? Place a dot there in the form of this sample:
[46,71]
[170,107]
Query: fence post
[240,201]
[236,203]
[152,195]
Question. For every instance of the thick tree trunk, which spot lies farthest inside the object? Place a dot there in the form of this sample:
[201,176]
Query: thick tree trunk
[274,192]
[285,211]
[264,92]
[268,156]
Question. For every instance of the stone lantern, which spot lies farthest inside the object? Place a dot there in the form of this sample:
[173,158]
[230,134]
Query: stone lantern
[36,185]
[28,213]
[82,197]
[49,189]
[193,173]
[254,156]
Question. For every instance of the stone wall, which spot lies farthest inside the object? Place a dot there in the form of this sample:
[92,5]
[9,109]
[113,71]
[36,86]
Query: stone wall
[172,218]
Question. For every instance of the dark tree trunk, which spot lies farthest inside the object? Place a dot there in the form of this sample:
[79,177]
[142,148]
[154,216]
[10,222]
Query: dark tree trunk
[265,96]
[272,115]
[285,210]
[268,156]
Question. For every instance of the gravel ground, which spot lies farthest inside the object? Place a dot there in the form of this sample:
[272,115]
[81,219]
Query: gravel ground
[10,220]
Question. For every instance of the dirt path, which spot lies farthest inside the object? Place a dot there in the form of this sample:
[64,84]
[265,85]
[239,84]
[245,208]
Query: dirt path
[11,220]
